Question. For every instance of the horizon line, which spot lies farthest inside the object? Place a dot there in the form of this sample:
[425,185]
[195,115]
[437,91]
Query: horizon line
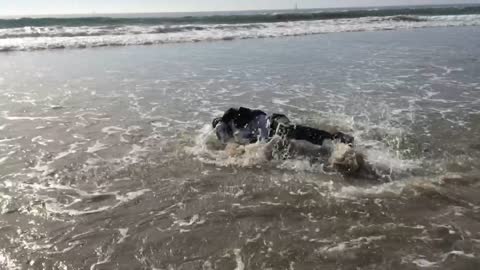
[219,11]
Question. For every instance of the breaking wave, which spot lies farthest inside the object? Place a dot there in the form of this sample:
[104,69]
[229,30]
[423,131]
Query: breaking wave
[28,34]
[306,15]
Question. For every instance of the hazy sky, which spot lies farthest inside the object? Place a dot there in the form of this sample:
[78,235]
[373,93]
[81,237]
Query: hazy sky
[24,7]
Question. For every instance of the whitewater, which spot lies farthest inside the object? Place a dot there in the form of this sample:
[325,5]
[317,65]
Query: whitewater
[27,34]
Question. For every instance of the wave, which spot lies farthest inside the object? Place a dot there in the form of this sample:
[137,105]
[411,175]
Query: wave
[57,37]
[238,18]
[120,30]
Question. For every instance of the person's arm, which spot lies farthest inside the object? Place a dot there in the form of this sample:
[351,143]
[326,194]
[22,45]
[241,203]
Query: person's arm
[224,132]
[257,130]
[263,125]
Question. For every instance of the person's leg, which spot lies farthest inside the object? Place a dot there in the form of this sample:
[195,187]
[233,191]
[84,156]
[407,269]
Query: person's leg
[312,135]
[278,122]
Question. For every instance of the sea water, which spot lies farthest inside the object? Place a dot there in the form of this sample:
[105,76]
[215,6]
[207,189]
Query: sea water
[106,159]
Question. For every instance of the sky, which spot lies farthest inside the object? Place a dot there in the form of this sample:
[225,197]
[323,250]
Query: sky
[40,7]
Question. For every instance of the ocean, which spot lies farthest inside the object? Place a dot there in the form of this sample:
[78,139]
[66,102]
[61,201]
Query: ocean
[40,33]
[108,159]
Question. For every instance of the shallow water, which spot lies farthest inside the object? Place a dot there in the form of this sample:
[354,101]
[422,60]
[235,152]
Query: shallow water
[104,161]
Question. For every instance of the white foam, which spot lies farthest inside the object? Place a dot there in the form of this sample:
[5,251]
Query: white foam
[138,149]
[134,155]
[73,148]
[132,195]
[207,265]
[388,160]
[7,262]
[123,235]
[2,141]
[55,208]
[9,154]
[238,155]
[43,167]
[254,239]
[238,260]
[424,263]
[351,244]
[97,147]
[3,159]
[42,141]
[30,118]
[160,124]
[52,206]
[71,245]
[24,100]
[100,254]
[352,192]
[280,101]
[195,219]
[457,253]
[112,130]
[74,37]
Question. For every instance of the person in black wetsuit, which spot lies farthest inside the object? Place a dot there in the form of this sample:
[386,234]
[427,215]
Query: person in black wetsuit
[244,126]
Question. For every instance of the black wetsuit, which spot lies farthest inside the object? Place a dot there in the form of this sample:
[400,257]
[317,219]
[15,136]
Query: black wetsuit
[248,126]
